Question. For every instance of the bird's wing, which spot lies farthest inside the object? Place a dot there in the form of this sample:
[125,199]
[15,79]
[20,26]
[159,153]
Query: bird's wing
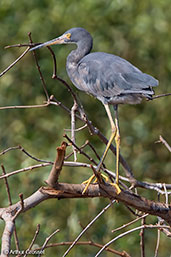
[103,79]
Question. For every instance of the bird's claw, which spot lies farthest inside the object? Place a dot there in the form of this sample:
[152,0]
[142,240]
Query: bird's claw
[118,190]
[88,181]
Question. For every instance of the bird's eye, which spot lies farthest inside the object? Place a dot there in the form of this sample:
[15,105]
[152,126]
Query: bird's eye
[68,35]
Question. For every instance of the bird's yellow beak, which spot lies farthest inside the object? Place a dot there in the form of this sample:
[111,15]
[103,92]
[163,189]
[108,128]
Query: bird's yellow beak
[57,41]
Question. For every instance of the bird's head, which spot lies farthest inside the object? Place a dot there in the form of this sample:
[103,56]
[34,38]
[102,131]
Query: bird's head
[71,36]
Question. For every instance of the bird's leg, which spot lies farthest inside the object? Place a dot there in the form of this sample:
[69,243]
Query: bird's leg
[117,141]
[114,135]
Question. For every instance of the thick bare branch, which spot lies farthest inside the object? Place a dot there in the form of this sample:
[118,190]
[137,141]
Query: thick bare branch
[57,166]
[8,230]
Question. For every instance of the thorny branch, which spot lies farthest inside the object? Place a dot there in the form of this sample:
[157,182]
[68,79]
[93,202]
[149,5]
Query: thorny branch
[63,190]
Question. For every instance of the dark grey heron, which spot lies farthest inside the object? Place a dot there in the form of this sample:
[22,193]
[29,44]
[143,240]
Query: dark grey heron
[109,78]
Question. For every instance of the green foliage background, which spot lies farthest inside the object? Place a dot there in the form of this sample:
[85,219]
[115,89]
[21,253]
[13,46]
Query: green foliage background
[139,31]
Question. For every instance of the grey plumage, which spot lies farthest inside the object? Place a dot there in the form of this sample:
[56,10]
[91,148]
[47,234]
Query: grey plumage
[109,78]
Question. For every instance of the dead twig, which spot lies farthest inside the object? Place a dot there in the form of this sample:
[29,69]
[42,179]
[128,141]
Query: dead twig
[46,241]
[57,166]
[25,106]
[25,169]
[126,233]
[17,60]
[22,45]
[91,243]
[20,208]
[34,239]
[158,96]
[129,223]
[9,149]
[39,70]
[87,227]
[163,141]
[158,243]
[142,238]
[73,111]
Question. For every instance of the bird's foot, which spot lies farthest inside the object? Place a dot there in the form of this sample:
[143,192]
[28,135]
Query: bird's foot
[118,190]
[89,181]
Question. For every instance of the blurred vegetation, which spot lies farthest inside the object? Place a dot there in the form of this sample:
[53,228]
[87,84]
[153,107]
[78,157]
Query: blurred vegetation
[139,31]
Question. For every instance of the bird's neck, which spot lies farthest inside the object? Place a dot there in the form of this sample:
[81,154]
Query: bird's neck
[73,60]
[83,48]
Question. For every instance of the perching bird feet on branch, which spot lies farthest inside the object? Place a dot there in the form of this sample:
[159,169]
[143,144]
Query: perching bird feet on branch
[89,181]
[99,177]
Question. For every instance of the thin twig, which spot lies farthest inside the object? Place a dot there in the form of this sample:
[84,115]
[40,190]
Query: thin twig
[163,141]
[20,209]
[68,87]
[55,76]
[32,157]
[19,147]
[39,70]
[58,103]
[6,185]
[73,110]
[81,147]
[54,62]
[24,106]
[87,227]
[158,243]
[166,195]
[22,45]
[135,213]
[17,60]
[33,240]
[46,241]
[25,169]
[9,149]
[142,243]
[128,232]
[80,150]
[129,223]
[78,129]
[158,96]
[91,243]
